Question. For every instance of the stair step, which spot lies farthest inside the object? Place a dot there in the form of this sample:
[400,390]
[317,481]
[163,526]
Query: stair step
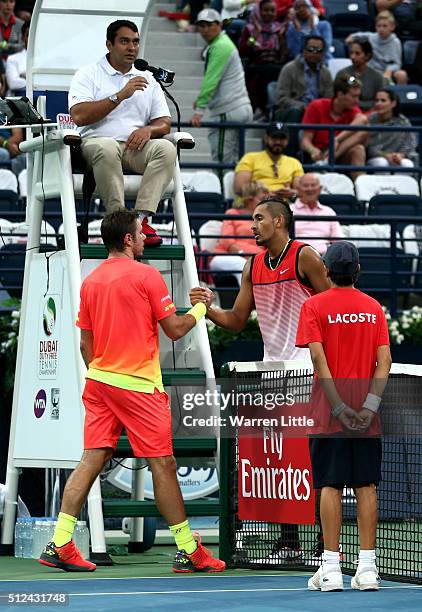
[158,24]
[187,376]
[175,252]
[193,69]
[161,54]
[115,508]
[174,39]
[182,447]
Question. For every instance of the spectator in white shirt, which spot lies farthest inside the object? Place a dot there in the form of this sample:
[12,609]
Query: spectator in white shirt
[307,203]
[16,66]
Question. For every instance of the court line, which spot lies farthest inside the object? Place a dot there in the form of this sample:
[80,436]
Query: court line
[185,591]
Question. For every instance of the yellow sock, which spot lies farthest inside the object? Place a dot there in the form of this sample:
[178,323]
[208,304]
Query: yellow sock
[64,529]
[183,536]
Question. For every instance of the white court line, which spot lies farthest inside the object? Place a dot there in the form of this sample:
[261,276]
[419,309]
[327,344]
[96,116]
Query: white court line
[217,591]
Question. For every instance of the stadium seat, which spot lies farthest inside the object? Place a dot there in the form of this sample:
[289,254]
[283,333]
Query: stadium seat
[391,205]
[375,235]
[5,230]
[202,180]
[12,262]
[208,235]
[412,245]
[228,185]
[8,180]
[410,101]
[376,266]
[204,203]
[368,186]
[19,233]
[338,48]
[335,182]
[342,204]
[348,16]
[9,201]
[338,63]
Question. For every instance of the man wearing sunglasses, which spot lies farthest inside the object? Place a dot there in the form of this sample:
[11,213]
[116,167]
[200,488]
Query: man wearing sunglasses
[342,109]
[300,81]
[277,171]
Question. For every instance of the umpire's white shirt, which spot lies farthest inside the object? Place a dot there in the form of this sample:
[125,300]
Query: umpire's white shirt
[100,80]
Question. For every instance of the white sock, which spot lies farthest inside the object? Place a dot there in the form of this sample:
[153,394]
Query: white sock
[366,560]
[331,559]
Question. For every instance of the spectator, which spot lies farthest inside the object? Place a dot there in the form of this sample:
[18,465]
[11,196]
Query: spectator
[277,171]
[341,109]
[303,23]
[321,232]
[9,148]
[283,7]
[386,48]
[237,244]
[390,148]
[233,14]
[223,88]
[122,115]
[300,81]
[263,50]
[360,52]
[408,13]
[16,66]
[10,29]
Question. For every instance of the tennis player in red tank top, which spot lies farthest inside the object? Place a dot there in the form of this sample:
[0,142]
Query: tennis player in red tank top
[276,282]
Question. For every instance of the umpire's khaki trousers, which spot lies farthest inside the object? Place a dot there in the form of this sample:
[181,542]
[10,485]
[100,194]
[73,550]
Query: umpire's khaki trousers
[108,158]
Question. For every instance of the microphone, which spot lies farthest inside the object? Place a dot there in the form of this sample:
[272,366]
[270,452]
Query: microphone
[161,74]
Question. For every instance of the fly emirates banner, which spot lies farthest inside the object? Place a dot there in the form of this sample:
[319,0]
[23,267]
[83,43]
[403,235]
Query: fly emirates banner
[274,477]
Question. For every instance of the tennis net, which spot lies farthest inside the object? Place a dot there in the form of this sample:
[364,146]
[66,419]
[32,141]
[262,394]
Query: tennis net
[261,544]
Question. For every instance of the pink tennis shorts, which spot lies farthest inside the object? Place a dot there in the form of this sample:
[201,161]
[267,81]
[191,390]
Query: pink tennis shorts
[145,416]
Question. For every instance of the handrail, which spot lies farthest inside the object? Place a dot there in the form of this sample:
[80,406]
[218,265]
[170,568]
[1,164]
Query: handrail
[331,165]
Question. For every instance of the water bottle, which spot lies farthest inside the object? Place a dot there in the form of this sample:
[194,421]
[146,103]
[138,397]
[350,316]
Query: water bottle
[37,537]
[81,538]
[27,538]
[19,529]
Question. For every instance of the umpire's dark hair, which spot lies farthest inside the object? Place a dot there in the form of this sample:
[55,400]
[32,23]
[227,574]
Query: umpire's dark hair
[120,23]
[116,225]
[278,206]
[343,280]
[314,37]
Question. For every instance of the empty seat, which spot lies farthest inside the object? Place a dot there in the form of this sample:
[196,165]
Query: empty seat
[348,16]
[342,204]
[368,186]
[374,235]
[396,205]
[201,203]
[338,63]
[202,180]
[376,270]
[8,180]
[338,48]
[228,185]
[12,263]
[410,101]
[335,182]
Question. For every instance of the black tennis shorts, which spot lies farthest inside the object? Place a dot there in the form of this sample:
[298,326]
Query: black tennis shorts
[351,462]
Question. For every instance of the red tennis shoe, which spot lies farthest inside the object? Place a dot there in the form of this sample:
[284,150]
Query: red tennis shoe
[201,560]
[152,238]
[67,558]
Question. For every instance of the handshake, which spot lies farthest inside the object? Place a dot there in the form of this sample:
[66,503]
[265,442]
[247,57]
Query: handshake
[201,295]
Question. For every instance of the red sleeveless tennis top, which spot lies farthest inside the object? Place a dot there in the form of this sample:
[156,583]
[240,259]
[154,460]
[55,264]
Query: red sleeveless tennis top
[279,295]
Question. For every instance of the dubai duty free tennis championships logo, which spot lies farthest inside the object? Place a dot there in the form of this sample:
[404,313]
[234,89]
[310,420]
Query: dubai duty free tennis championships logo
[40,403]
[49,316]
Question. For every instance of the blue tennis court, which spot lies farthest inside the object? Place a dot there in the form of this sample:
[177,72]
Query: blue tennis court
[243,593]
